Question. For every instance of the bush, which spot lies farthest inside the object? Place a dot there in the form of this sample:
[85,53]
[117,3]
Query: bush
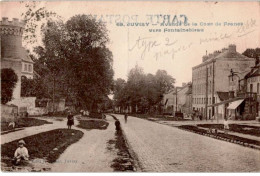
[8,82]
[95,115]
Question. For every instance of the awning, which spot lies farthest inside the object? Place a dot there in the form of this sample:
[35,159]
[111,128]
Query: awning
[226,101]
[235,104]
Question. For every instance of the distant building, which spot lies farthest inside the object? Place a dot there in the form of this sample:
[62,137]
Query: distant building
[178,100]
[211,78]
[13,55]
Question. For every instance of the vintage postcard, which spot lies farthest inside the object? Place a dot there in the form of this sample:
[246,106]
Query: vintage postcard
[130,86]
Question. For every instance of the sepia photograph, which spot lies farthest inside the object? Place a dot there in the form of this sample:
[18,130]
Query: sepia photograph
[130,86]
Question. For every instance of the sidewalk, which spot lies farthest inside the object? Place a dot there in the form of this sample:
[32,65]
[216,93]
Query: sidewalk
[29,131]
[195,122]
[90,153]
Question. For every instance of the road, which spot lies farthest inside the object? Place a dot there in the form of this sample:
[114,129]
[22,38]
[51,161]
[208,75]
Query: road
[161,148]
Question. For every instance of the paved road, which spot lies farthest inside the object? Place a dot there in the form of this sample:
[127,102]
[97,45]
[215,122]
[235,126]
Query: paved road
[161,148]
[90,153]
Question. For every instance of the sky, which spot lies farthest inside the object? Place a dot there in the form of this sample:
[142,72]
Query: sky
[142,40]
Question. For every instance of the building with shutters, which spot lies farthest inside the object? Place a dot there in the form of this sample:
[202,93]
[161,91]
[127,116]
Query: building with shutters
[210,79]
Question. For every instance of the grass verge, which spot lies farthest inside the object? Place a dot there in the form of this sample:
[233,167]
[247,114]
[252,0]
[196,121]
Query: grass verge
[123,162]
[154,117]
[48,145]
[24,122]
[93,124]
[223,136]
[245,129]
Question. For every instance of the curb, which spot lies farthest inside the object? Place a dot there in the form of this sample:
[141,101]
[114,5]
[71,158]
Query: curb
[136,163]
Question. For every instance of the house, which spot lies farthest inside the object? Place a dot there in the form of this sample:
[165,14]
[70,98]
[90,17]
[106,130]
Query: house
[212,76]
[178,100]
[242,99]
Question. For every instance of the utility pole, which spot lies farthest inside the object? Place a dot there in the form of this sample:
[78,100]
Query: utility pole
[206,103]
[53,94]
[176,100]
[213,88]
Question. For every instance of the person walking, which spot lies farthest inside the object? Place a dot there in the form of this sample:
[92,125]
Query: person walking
[117,124]
[226,126]
[126,117]
[70,121]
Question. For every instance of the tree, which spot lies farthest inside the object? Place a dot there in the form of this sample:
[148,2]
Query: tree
[35,16]
[120,94]
[32,88]
[144,91]
[75,62]
[8,83]
[253,53]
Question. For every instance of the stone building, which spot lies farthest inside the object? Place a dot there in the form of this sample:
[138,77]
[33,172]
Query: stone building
[211,78]
[14,55]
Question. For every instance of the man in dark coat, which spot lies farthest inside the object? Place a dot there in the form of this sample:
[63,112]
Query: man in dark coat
[117,124]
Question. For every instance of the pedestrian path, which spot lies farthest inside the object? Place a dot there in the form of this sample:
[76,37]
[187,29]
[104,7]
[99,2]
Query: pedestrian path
[90,153]
[161,148]
[28,131]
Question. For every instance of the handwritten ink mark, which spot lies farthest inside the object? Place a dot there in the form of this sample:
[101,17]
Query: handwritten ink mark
[246,33]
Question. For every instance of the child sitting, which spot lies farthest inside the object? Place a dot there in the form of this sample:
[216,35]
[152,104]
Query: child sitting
[21,153]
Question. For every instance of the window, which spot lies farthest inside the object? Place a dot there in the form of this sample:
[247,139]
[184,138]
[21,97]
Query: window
[25,67]
[258,88]
[251,88]
[209,86]
[30,68]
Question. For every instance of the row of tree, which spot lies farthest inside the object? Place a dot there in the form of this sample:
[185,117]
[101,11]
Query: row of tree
[143,92]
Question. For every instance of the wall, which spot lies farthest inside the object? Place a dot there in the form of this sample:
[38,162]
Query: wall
[8,113]
[59,106]
[223,68]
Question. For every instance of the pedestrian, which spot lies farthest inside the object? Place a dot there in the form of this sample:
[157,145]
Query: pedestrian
[226,126]
[126,117]
[21,153]
[117,124]
[212,118]
[70,121]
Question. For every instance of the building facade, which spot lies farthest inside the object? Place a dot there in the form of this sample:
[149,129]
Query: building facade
[212,76]
[178,100]
[14,55]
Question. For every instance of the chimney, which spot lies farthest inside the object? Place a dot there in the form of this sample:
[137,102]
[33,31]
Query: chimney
[5,21]
[224,49]
[216,53]
[15,21]
[232,48]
